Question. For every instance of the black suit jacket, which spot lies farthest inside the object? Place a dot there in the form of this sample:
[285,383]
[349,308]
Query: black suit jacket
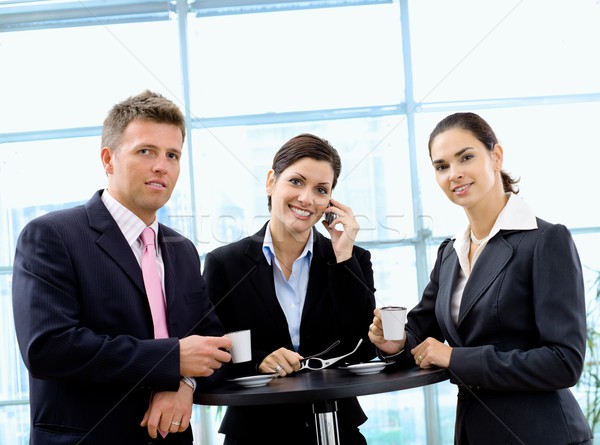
[85,331]
[339,306]
[519,343]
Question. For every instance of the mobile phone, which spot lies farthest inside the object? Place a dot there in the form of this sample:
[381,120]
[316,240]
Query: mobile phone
[329,217]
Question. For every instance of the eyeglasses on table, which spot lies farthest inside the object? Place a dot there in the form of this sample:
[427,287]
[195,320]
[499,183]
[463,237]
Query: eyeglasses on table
[315,363]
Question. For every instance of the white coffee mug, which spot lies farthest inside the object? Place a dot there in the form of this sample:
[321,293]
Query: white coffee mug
[393,319]
[241,349]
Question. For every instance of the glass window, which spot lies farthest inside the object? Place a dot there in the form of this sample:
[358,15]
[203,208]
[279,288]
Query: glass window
[13,385]
[14,424]
[70,77]
[37,177]
[395,279]
[545,146]
[468,49]
[296,60]
[374,160]
[395,417]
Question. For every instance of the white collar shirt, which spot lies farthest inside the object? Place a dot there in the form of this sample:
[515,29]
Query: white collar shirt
[516,215]
[132,226]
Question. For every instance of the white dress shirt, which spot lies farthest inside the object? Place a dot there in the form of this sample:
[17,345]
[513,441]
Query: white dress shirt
[516,215]
[132,226]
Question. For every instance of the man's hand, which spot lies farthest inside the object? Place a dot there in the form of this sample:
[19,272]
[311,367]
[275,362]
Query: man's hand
[169,411]
[200,356]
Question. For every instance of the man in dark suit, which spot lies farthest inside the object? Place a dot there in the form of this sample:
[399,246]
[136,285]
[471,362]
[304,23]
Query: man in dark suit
[84,325]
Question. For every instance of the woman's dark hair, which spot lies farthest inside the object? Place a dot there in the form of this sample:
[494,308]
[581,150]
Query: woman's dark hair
[479,128]
[306,146]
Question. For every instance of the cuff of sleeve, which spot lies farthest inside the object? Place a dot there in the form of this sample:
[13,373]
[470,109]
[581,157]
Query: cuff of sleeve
[189,382]
[386,358]
[341,263]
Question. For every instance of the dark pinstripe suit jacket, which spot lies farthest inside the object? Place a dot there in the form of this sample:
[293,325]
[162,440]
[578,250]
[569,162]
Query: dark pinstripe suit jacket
[85,330]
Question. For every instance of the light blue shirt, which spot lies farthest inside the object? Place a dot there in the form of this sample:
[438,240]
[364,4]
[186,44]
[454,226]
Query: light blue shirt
[291,293]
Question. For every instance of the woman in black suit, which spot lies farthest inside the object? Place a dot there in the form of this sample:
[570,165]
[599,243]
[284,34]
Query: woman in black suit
[296,290]
[504,311]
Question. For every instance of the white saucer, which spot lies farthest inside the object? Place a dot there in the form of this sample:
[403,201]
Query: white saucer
[254,380]
[366,368]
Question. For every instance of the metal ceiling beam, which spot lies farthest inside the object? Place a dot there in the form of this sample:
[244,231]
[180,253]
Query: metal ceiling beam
[22,16]
[207,8]
[29,15]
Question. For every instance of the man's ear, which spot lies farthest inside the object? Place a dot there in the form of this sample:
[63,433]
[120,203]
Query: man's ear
[107,155]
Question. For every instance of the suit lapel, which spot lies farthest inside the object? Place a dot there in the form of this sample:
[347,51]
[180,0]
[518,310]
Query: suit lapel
[112,241]
[169,258]
[448,274]
[262,282]
[489,265]
[317,275]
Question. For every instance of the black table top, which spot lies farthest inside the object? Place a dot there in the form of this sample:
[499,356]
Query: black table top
[315,386]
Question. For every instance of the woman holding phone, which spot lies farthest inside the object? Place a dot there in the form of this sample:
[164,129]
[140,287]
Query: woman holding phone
[504,310]
[296,290]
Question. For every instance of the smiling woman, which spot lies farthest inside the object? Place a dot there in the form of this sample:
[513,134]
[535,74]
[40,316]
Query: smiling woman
[261,283]
[298,197]
[505,315]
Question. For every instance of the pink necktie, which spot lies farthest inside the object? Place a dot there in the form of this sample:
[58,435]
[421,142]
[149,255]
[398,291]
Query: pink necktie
[153,285]
[154,289]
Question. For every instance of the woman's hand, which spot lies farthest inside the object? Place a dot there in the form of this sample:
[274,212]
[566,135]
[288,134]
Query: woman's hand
[389,347]
[283,362]
[432,353]
[342,240]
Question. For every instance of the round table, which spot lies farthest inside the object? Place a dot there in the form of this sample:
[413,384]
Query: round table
[322,389]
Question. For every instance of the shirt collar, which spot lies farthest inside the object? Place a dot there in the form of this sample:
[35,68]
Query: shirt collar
[129,223]
[516,215]
[269,251]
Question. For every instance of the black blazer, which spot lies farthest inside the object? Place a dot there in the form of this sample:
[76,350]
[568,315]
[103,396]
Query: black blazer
[85,331]
[519,343]
[339,306]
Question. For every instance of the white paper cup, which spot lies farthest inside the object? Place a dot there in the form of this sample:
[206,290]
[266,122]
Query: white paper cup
[393,319]
[241,350]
